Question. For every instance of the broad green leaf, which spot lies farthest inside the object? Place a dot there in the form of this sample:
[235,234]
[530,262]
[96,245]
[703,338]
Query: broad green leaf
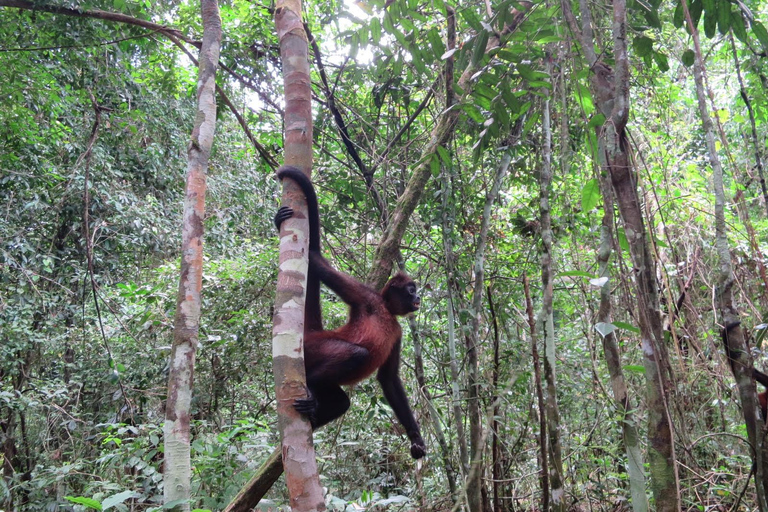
[643,45]
[575,273]
[436,42]
[661,61]
[710,23]
[688,58]
[635,368]
[590,195]
[86,502]
[627,327]
[478,52]
[738,26]
[375,30]
[679,17]
[723,16]
[696,8]
[118,498]
[762,35]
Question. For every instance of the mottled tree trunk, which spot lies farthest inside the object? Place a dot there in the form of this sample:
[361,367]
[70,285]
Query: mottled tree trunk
[736,348]
[298,454]
[177,470]
[611,93]
[613,357]
[546,320]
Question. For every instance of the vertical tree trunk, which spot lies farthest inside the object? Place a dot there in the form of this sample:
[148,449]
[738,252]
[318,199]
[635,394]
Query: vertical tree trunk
[298,454]
[611,92]
[613,357]
[177,471]
[475,483]
[546,320]
[543,443]
[733,336]
[448,215]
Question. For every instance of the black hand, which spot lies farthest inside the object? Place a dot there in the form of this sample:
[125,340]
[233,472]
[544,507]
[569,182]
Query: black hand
[283,213]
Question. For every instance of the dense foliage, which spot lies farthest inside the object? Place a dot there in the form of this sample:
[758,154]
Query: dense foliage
[86,321]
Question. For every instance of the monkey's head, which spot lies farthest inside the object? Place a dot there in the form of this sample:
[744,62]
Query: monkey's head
[401,295]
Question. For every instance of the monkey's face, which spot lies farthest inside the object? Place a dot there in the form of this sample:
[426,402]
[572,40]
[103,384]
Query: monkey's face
[401,295]
[412,299]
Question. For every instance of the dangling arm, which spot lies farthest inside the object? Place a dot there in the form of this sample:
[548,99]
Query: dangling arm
[394,392]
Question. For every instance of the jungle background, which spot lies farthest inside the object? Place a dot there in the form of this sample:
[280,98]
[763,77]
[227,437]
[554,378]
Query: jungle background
[516,192]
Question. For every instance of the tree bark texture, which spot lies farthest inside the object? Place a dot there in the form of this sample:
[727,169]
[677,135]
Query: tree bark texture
[543,438]
[298,454]
[475,483]
[625,407]
[736,348]
[611,93]
[546,319]
[177,470]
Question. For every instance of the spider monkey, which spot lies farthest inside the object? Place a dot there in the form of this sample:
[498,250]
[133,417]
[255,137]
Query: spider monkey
[370,339]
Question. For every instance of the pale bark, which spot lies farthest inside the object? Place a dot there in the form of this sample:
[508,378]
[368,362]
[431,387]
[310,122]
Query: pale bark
[625,407]
[736,348]
[475,481]
[543,438]
[546,319]
[177,470]
[298,454]
[611,93]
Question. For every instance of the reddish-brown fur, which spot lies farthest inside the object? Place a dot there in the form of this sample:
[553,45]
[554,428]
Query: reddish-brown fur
[369,341]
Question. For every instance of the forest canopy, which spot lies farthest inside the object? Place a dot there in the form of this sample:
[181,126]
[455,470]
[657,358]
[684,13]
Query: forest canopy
[578,188]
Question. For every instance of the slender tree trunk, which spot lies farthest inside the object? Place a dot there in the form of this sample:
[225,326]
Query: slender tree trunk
[611,91]
[753,126]
[733,336]
[613,357]
[543,437]
[448,216]
[546,319]
[434,416]
[292,285]
[496,424]
[177,470]
[476,484]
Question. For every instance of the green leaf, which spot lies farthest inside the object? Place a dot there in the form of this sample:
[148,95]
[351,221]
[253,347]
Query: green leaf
[762,35]
[627,327]
[118,498]
[738,26]
[478,52]
[661,61]
[444,156]
[635,368]
[590,195]
[575,273]
[375,30]
[436,42]
[679,18]
[86,502]
[710,23]
[688,58]
[696,7]
[596,120]
[643,45]
[723,16]
[623,243]
[652,17]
